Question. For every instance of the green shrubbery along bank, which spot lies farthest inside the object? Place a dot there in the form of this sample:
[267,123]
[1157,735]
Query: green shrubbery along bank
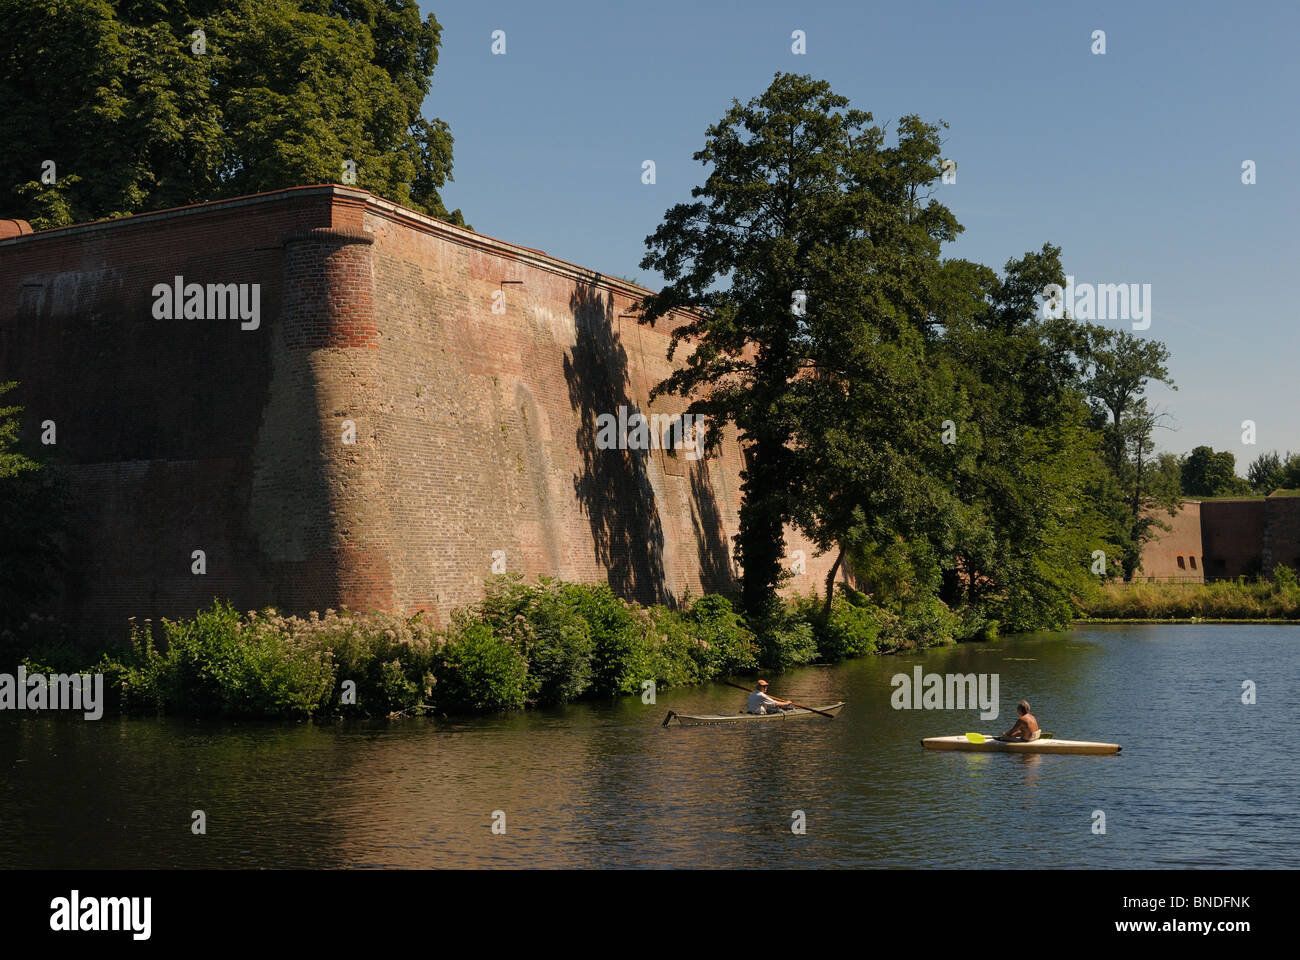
[525,644]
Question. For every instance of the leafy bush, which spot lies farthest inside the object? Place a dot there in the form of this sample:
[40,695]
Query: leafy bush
[928,621]
[722,643]
[786,637]
[620,659]
[849,631]
[974,624]
[390,659]
[540,643]
[479,670]
[547,628]
[217,663]
[673,647]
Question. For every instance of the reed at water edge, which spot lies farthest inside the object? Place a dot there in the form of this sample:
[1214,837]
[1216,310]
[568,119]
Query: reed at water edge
[1276,597]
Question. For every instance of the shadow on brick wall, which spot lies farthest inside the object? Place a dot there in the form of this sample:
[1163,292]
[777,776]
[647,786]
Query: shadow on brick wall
[613,488]
[710,538]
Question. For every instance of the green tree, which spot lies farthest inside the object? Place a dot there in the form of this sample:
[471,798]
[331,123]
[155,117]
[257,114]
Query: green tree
[114,94]
[1025,464]
[1132,494]
[1206,473]
[801,256]
[736,255]
[1269,471]
[1291,472]
[869,409]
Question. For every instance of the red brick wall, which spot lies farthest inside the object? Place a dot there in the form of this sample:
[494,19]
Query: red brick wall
[474,430]
[1181,542]
[1233,534]
[1282,532]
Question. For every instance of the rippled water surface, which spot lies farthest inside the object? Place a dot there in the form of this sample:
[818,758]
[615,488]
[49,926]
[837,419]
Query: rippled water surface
[1203,781]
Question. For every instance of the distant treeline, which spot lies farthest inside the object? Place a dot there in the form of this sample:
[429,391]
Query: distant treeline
[1207,473]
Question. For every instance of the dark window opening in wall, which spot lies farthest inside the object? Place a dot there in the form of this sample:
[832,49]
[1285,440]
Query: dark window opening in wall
[1192,560]
[1181,564]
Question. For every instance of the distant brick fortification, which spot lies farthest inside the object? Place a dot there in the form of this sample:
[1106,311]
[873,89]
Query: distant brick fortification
[1224,539]
[471,373]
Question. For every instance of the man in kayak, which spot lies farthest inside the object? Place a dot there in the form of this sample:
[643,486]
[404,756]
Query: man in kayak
[1025,729]
[760,702]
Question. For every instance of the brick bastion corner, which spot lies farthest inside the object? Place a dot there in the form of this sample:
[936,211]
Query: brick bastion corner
[413,403]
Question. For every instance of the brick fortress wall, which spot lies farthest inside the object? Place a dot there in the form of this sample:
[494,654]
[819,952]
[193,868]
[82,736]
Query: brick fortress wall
[474,428]
[1225,539]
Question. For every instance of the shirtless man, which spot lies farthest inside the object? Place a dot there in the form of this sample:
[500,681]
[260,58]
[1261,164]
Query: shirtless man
[1025,729]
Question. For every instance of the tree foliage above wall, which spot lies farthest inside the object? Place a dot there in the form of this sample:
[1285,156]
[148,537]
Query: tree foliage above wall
[283,93]
[925,418]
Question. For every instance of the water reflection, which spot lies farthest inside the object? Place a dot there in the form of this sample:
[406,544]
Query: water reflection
[605,785]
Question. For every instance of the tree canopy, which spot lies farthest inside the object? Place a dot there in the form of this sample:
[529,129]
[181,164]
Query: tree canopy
[1207,473]
[148,113]
[922,417]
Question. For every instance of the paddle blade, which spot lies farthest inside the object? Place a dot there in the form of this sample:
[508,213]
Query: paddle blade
[668,719]
[976,737]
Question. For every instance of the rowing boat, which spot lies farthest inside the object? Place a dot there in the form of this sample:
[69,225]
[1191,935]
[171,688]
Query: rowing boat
[689,720]
[1074,747]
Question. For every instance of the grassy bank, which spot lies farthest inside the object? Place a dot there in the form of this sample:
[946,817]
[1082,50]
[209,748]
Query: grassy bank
[1265,599]
[525,644]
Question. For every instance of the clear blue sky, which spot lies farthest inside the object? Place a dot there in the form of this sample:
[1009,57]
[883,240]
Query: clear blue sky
[1131,161]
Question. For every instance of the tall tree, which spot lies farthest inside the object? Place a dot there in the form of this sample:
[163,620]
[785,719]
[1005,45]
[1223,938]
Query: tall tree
[1123,367]
[1024,461]
[136,111]
[801,254]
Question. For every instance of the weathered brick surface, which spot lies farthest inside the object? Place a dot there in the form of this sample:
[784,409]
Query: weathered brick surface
[1282,532]
[475,430]
[1233,535]
[1228,538]
[1176,553]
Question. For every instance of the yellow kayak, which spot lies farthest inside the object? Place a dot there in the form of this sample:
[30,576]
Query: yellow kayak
[1074,747]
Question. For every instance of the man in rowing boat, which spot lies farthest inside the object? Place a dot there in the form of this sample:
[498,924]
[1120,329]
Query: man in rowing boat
[760,702]
[1025,729]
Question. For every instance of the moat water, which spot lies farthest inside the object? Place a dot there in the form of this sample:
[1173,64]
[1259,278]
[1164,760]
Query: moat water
[1204,779]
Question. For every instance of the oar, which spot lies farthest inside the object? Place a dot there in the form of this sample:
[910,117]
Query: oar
[980,738]
[792,703]
[669,718]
